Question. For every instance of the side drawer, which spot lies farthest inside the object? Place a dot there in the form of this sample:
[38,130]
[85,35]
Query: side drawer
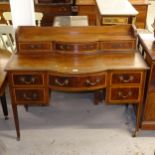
[117,45]
[123,94]
[29,96]
[126,78]
[27,79]
[78,82]
[35,47]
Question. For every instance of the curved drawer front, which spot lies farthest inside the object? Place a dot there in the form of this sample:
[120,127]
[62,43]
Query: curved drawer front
[124,94]
[126,78]
[31,96]
[76,47]
[77,82]
[28,79]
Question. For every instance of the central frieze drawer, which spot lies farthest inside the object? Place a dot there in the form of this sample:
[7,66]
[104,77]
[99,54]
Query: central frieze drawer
[35,46]
[78,81]
[28,79]
[126,78]
[76,47]
[117,45]
[124,94]
[31,96]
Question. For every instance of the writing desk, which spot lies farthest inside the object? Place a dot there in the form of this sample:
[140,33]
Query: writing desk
[76,59]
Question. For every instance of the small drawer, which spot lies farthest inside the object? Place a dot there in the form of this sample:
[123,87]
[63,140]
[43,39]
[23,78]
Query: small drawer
[124,94]
[126,78]
[27,79]
[61,9]
[35,46]
[31,96]
[78,82]
[76,47]
[117,45]
[114,20]
[84,9]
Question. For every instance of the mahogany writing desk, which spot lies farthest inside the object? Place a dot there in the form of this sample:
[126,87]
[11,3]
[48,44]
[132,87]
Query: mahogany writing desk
[76,59]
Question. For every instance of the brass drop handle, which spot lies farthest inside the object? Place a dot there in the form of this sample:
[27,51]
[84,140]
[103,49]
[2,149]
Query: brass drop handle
[90,83]
[26,81]
[130,79]
[120,94]
[30,97]
[64,83]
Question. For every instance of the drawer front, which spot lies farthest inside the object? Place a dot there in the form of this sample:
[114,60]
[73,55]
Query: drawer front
[77,82]
[31,96]
[61,10]
[84,9]
[124,94]
[126,78]
[117,45]
[114,20]
[28,79]
[35,46]
[75,47]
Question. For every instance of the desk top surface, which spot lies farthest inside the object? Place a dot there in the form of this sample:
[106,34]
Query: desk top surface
[71,64]
[116,7]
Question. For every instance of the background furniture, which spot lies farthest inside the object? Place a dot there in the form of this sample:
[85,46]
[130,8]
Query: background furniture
[7,38]
[88,7]
[116,12]
[38,18]
[8,18]
[146,43]
[76,59]
[50,10]
[84,8]
[4,57]
[4,7]
[70,21]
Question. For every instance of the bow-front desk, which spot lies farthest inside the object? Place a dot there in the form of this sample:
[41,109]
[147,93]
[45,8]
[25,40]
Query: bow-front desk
[76,59]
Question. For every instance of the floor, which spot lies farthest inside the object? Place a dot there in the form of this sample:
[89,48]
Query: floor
[73,125]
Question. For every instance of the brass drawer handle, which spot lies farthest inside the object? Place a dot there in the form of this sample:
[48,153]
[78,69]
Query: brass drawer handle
[130,79]
[30,97]
[90,83]
[120,94]
[25,81]
[64,83]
